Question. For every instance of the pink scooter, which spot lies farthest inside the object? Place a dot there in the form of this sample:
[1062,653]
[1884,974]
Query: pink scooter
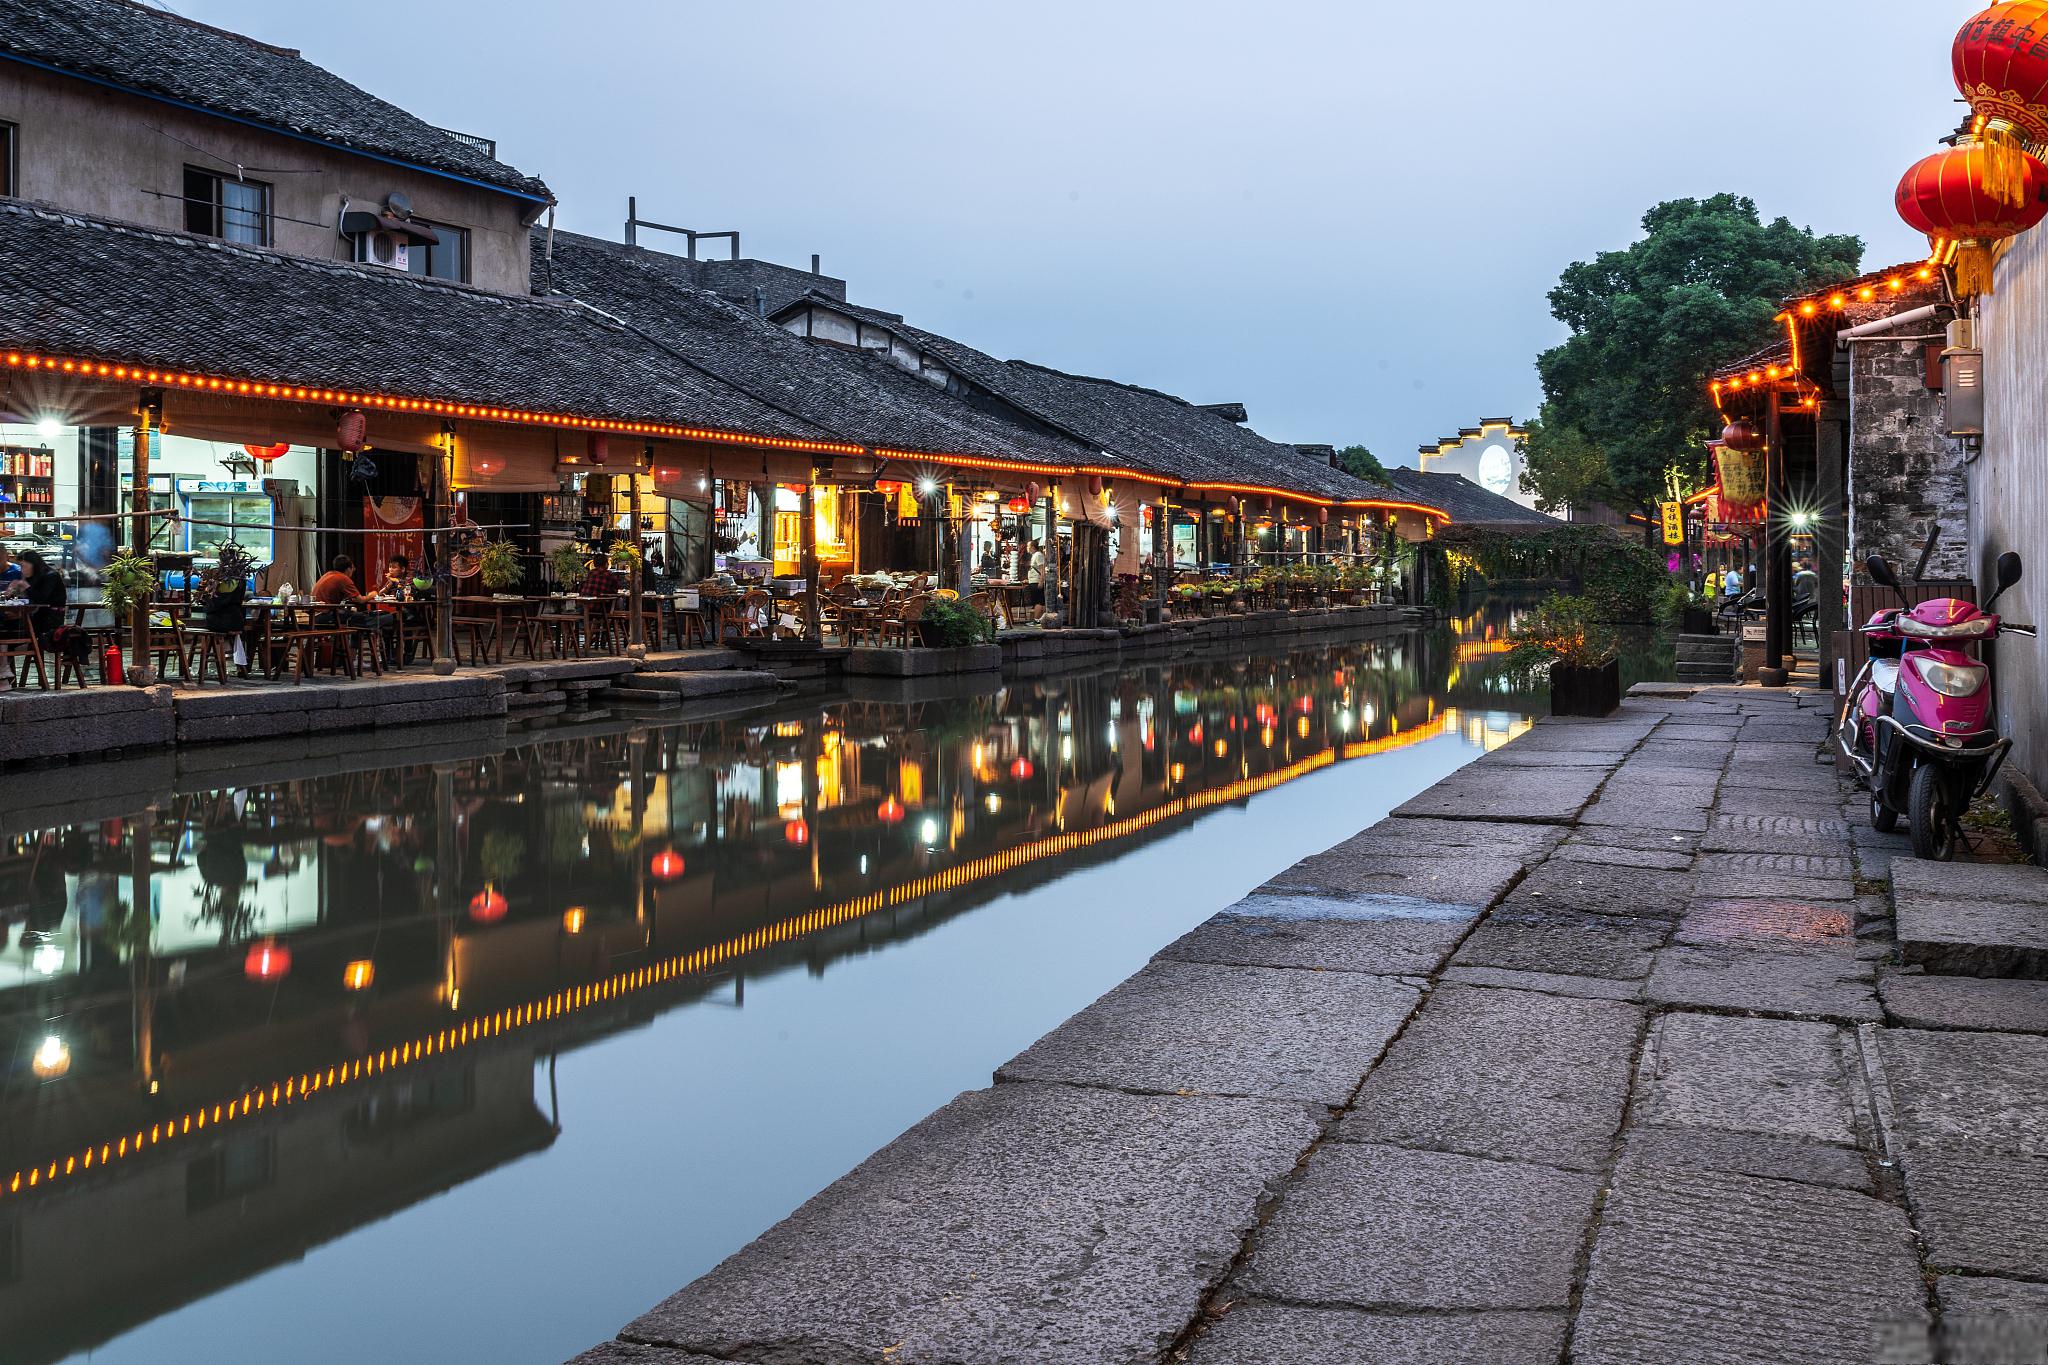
[1917,721]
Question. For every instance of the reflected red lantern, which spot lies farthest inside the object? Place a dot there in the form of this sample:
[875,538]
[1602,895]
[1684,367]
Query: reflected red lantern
[488,906]
[1021,769]
[1951,195]
[666,865]
[1741,434]
[352,430]
[667,474]
[796,832]
[890,811]
[265,454]
[488,465]
[268,960]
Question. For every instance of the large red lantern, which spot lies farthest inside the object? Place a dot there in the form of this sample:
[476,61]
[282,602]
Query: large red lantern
[2001,66]
[268,960]
[488,906]
[1945,195]
[1741,434]
[598,448]
[265,454]
[1033,492]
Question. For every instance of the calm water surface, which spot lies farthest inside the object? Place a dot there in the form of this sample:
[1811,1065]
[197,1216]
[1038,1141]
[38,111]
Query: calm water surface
[474,1059]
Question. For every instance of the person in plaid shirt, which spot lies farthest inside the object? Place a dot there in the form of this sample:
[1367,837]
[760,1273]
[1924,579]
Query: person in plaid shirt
[601,581]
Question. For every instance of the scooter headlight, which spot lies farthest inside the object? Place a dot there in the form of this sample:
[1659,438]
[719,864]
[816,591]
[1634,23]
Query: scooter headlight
[1951,680]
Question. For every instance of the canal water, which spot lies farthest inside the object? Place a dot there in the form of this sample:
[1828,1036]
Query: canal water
[474,1055]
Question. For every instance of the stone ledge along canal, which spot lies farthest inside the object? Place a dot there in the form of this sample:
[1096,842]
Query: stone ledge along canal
[472,1057]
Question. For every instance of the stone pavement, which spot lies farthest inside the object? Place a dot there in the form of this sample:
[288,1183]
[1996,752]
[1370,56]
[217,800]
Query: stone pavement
[1605,1049]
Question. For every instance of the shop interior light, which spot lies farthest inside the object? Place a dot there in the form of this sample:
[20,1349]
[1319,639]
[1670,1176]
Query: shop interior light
[927,486]
[49,428]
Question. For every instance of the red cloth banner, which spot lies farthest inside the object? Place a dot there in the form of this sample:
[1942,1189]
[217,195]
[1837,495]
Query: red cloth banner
[398,525]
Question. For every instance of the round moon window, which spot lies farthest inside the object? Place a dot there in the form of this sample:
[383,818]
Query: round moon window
[1497,470]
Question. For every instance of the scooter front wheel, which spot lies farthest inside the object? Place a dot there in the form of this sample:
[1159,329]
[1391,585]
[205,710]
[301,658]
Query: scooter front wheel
[1883,818]
[1933,823]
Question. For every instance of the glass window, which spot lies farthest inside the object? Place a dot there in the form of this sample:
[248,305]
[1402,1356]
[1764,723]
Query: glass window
[7,174]
[236,210]
[447,259]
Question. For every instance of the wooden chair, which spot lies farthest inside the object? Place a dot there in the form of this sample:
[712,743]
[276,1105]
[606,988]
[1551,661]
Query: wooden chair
[20,651]
[415,632]
[204,647]
[760,615]
[481,633]
[983,604]
[168,642]
[902,623]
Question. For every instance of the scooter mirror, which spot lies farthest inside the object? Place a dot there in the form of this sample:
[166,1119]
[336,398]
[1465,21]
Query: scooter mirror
[2007,574]
[1881,572]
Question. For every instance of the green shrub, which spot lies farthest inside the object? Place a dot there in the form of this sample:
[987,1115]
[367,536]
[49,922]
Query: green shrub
[949,621]
[1566,630]
[500,567]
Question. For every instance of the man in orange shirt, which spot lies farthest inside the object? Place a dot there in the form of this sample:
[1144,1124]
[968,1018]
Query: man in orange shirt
[337,588]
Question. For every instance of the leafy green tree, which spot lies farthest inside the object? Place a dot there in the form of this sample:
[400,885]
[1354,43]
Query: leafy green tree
[1563,468]
[1362,463]
[1649,324]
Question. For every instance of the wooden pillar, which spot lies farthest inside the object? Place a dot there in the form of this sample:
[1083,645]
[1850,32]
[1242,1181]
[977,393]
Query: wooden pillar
[1777,558]
[148,412]
[438,481]
[636,610]
[1830,532]
[807,565]
[1162,550]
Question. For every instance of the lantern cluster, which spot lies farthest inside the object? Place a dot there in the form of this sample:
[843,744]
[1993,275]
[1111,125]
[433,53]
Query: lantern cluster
[1990,184]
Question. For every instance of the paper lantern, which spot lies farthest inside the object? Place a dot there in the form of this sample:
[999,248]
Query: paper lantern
[667,865]
[1094,485]
[265,454]
[597,448]
[890,812]
[267,960]
[488,906]
[1022,770]
[52,1059]
[796,832]
[488,464]
[352,430]
[1032,492]
[2001,68]
[1322,516]
[358,975]
[1020,505]
[1949,195]
[573,919]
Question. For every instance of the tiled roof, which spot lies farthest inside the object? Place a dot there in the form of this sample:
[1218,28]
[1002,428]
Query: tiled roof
[146,50]
[90,288]
[1129,425]
[1467,502]
[862,396]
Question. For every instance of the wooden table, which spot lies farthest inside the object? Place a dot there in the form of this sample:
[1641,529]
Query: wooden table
[501,611]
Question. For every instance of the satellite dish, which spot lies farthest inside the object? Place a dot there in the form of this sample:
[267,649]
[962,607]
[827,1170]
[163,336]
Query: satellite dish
[398,204]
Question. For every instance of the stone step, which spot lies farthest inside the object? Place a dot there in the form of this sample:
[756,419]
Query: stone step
[1972,919]
[692,661]
[641,696]
[704,682]
[1706,673]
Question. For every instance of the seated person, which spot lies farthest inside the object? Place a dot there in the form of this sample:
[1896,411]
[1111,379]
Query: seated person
[43,586]
[601,581]
[337,588]
[397,584]
[10,572]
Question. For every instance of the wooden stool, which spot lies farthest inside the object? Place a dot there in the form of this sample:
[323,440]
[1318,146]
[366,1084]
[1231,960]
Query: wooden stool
[207,647]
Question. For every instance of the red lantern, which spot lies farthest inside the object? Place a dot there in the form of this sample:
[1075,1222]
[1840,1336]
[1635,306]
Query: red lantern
[1032,492]
[667,474]
[1322,516]
[1020,505]
[352,430]
[268,960]
[265,454]
[890,811]
[489,465]
[1740,434]
[597,448]
[1094,485]
[488,906]
[667,865]
[2001,66]
[796,832]
[1946,195]
[1022,770]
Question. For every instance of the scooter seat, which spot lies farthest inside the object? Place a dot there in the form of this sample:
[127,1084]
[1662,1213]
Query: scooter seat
[1884,675]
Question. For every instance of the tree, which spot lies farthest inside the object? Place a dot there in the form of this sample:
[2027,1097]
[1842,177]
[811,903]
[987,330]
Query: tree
[1651,323]
[1563,468]
[1362,463]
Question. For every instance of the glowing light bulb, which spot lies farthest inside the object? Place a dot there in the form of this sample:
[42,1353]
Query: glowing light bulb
[49,429]
[52,1059]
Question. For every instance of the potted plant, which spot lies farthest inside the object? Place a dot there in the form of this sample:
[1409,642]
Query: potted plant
[571,565]
[626,556]
[1583,657]
[1699,615]
[127,581]
[499,566]
[948,622]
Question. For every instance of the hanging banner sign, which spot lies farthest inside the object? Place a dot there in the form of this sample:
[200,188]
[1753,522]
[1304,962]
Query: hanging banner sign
[1742,483]
[1674,523]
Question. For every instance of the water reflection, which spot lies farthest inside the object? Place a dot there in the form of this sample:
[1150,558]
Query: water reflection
[333,1004]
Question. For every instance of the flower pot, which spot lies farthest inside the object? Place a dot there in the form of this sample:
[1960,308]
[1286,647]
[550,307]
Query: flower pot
[1699,620]
[1577,691]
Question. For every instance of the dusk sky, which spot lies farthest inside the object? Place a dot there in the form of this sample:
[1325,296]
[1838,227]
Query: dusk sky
[1345,216]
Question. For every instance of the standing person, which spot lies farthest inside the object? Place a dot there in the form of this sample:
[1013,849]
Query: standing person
[991,562]
[1035,575]
[1713,584]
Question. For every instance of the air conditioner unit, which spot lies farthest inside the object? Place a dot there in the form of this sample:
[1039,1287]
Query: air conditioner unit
[382,247]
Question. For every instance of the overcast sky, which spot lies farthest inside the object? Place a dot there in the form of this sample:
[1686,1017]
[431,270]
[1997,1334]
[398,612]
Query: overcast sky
[1344,215]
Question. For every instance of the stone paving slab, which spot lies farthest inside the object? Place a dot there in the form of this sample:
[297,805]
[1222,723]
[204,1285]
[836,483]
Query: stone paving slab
[1794,875]
[1824,838]
[1446,877]
[1769,1076]
[1281,1334]
[1515,756]
[1980,1212]
[1203,1028]
[1545,983]
[1956,937]
[1663,860]
[1643,837]
[1505,1074]
[1596,888]
[1540,795]
[1694,1266]
[1985,1319]
[1380,1227]
[1986,1091]
[1385,935]
[2007,882]
[1754,1154]
[1697,731]
[632,1353]
[1015,1226]
[1808,985]
[1634,813]
[1782,926]
[1965,1002]
[1494,839]
[1562,942]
